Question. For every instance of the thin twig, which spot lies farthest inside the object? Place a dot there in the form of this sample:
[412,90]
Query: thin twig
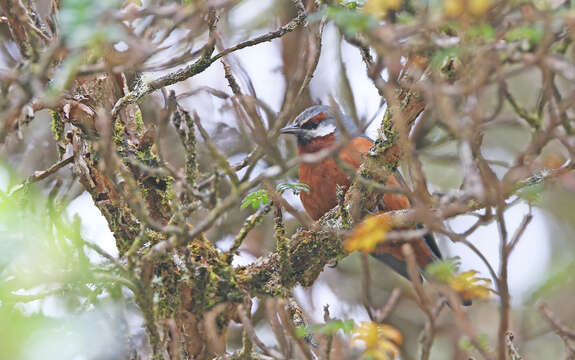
[248,327]
[383,313]
[40,175]
[366,287]
[251,222]
[204,62]
[565,333]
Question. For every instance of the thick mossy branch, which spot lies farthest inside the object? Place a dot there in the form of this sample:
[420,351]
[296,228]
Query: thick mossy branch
[309,252]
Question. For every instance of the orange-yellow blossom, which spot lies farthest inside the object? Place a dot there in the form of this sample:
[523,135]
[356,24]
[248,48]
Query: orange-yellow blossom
[379,340]
[366,235]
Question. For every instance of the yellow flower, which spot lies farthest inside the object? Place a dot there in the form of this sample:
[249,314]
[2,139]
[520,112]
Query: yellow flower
[453,8]
[479,7]
[470,286]
[393,4]
[379,8]
[379,340]
[368,234]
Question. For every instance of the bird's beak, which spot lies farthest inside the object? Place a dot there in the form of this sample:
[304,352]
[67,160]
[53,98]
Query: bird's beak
[291,129]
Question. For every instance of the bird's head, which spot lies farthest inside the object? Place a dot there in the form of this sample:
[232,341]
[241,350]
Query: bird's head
[317,127]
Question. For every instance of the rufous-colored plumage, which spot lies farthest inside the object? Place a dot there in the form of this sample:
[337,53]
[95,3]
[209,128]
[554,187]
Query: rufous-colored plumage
[316,129]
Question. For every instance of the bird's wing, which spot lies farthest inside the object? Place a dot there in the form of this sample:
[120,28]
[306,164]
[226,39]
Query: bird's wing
[353,152]
[429,238]
[426,250]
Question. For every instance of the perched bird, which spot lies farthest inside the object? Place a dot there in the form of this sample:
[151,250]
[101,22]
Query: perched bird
[316,128]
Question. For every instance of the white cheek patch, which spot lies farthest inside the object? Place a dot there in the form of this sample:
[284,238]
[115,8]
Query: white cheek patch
[322,130]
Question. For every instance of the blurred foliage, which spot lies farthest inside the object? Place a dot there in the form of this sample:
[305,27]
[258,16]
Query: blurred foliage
[64,75]
[465,343]
[482,31]
[329,328]
[557,278]
[351,20]
[77,21]
[43,261]
[533,33]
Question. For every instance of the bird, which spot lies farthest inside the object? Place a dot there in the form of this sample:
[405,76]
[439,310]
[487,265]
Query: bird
[316,129]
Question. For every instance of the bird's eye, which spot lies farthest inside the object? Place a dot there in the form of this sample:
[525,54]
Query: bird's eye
[310,125]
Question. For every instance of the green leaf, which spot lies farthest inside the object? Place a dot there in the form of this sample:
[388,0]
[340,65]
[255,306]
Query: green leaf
[351,20]
[332,326]
[532,193]
[441,56]
[483,341]
[465,344]
[295,188]
[531,33]
[301,331]
[256,199]
[483,31]
[443,270]
[83,22]
[351,4]
[42,254]
[64,75]
[405,18]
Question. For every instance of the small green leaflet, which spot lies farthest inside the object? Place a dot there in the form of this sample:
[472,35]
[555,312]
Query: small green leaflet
[531,33]
[465,343]
[329,328]
[484,31]
[295,188]
[256,199]
[301,332]
[531,190]
[532,193]
[443,270]
[351,4]
[442,55]
[351,20]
